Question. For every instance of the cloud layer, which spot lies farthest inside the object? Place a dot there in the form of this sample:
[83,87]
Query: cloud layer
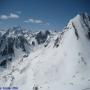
[10,16]
[31,20]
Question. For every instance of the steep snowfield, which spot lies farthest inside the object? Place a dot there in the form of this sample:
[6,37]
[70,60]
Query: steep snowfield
[60,63]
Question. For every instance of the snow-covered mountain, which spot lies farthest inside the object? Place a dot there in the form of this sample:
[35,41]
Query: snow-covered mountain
[47,60]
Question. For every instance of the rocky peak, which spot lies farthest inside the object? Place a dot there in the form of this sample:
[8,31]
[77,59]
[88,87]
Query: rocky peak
[42,36]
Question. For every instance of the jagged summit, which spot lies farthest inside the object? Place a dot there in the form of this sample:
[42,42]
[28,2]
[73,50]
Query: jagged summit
[81,25]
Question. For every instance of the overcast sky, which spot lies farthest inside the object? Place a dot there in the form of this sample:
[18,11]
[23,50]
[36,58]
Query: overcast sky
[40,14]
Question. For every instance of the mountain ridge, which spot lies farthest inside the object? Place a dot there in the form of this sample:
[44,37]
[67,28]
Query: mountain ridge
[57,60]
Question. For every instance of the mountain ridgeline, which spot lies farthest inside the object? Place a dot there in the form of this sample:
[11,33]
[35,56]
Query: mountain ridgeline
[14,39]
[47,60]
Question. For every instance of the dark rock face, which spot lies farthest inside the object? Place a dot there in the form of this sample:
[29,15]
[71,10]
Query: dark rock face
[20,42]
[88,35]
[89,18]
[33,43]
[56,44]
[86,18]
[76,31]
[35,88]
[8,43]
[85,22]
[41,38]
[4,62]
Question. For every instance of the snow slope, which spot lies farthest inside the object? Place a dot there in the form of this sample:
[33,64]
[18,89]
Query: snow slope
[61,62]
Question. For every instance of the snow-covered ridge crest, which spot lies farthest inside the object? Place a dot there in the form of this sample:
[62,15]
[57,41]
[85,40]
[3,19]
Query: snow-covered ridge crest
[81,25]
